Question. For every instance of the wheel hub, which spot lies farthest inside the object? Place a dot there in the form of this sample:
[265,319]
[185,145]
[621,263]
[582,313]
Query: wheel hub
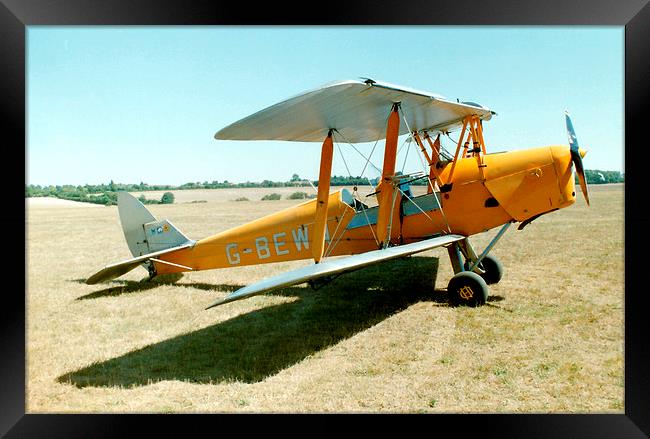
[466,292]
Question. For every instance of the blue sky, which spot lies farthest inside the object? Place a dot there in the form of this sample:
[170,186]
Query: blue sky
[138,104]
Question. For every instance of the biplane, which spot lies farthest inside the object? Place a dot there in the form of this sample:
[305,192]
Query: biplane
[468,192]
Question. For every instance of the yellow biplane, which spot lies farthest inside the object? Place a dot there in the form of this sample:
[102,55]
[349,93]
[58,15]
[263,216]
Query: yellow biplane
[469,192]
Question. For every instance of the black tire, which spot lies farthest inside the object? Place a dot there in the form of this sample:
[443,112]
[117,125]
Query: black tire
[492,267]
[467,289]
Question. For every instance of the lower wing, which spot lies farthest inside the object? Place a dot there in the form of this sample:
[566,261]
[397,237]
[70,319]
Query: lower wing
[337,266]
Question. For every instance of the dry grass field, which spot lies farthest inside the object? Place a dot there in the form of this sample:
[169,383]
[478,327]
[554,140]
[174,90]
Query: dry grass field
[383,339]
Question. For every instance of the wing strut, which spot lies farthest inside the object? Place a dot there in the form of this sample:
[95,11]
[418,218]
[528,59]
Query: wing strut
[431,160]
[435,156]
[386,188]
[322,199]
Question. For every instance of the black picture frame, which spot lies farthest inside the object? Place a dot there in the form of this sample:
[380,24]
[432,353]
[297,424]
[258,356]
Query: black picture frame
[15,15]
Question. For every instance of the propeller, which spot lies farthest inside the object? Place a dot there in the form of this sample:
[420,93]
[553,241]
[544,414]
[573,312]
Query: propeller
[577,154]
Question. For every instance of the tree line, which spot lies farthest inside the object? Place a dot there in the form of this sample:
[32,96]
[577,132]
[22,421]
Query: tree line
[595,176]
[107,193]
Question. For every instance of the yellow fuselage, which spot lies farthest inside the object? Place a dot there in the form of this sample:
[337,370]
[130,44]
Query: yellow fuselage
[512,187]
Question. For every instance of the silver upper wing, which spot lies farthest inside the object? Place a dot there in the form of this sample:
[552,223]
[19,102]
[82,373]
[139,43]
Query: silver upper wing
[337,266]
[358,110]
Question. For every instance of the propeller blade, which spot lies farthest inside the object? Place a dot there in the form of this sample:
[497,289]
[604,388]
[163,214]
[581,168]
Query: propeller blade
[576,156]
[573,139]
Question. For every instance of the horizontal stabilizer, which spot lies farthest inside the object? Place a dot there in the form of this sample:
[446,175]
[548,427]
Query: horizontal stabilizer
[337,266]
[115,270]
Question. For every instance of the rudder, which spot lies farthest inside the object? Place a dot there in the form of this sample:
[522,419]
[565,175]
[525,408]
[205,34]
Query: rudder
[143,233]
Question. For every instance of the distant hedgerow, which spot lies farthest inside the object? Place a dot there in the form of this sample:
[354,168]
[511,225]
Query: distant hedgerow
[271,197]
[297,196]
[167,198]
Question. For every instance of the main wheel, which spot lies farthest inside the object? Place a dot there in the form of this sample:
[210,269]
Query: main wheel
[493,270]
[467,288]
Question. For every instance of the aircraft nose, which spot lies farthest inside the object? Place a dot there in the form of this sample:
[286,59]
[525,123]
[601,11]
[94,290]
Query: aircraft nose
[564,171]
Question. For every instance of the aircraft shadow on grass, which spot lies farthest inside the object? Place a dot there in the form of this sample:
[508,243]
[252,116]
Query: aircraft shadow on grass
[253,346]
[129,286]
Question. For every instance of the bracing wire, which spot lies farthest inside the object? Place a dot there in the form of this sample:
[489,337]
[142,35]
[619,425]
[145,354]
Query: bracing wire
[428,177]
[331,245]
[408,148]
[443,151]
[416,204]
[401,146]
[311,184]
[369,157]
[363,209]
[338,146]
[390,222]
[360,153]
[424,167]
[355,194]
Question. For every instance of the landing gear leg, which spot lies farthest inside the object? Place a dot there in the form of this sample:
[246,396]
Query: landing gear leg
[487,266]
[455,257]
[490,269]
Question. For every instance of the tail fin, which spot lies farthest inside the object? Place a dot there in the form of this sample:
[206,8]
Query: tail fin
[143,233]
[146,237]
